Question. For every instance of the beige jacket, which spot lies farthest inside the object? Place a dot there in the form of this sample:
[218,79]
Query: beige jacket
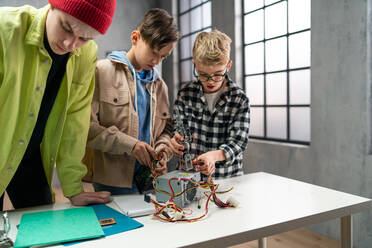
[114,124]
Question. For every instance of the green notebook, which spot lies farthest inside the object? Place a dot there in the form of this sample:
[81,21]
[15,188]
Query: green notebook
[51,227]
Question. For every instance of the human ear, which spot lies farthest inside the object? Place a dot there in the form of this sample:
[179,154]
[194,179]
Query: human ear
[135,36]
[229,65]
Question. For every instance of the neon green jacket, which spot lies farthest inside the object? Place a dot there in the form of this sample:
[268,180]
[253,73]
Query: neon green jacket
[24,67]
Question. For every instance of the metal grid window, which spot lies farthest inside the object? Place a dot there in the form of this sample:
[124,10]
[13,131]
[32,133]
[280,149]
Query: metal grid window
[276,63]
[194,16]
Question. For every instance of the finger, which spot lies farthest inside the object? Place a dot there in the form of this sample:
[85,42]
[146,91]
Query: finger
[93,199]
[178,153]
[204,172]
[211,170]
[176,145]
[103,194]
[159,155]
[178,137]
[145,156]
[161,171]
[207,168]
[85,199]
[203,169]
[171,147]
[146,159]
[159,165]
[162,168]
[138,153]
[140,158]
[162,149]
[151,152]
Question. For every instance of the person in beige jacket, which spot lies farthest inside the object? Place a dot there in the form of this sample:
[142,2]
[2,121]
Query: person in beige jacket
[130,119]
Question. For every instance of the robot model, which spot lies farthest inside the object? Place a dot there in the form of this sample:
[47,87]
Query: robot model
[186,163]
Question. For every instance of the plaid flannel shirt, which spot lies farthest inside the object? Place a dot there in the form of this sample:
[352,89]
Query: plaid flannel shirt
[225,129]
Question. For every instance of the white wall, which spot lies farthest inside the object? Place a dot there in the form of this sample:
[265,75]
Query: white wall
[339,155]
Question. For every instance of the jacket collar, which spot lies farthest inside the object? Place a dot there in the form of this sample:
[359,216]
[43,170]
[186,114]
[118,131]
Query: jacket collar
[35,33]
[119,62]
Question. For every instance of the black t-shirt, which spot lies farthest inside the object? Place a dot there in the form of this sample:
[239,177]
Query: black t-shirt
[56,73]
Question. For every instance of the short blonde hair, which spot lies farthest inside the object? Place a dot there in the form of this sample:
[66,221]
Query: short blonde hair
[211,48]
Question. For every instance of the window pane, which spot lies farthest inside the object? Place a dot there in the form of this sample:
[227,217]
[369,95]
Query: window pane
[185,24]
[276,54]
[254,61]
[276,20]
[208,30]
[277,123]
[193,37]
[195,2]
[186,71]
[185,47]
[253,27]
[184,5]
[250,5]
[254,87]
[300,124]
[299,87]
[267,2]
[298,14]
[276,88]
[256,127]
[299,50]
[207,15]
[196,19]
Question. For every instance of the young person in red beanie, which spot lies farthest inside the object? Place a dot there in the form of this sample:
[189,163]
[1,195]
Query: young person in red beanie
[47,64]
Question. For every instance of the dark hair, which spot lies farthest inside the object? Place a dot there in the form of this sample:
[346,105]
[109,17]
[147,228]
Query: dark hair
[158,28]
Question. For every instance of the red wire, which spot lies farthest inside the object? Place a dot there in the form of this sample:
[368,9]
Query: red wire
[213,187]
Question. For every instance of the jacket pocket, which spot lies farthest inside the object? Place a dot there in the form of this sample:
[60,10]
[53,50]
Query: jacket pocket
[114,108]
[115,97]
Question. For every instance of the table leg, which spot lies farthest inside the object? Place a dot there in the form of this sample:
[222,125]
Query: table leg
[262,243]
[346,232]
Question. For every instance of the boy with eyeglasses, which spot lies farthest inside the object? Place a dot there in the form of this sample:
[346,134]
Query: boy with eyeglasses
[215,109]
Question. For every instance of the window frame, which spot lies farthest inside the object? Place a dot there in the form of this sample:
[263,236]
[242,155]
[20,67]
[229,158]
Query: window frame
[265,106]
[188,35]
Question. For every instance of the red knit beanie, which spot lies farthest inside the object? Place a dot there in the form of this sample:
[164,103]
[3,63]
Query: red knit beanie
[96,13]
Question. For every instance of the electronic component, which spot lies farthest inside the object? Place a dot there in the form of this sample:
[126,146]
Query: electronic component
[106,222]
[5,241]
[184,190]
[147,198]
[181,127]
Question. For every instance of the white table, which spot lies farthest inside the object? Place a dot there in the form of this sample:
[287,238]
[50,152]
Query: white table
[269,205]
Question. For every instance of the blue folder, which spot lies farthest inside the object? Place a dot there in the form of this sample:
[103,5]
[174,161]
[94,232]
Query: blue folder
[123,222]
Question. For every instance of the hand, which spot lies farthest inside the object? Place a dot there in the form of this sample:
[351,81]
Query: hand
[175,145]
[205,163]
[143,152]
[86,198]
[163,163]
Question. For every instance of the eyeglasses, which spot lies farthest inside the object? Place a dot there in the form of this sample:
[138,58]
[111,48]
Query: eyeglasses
[214,77]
